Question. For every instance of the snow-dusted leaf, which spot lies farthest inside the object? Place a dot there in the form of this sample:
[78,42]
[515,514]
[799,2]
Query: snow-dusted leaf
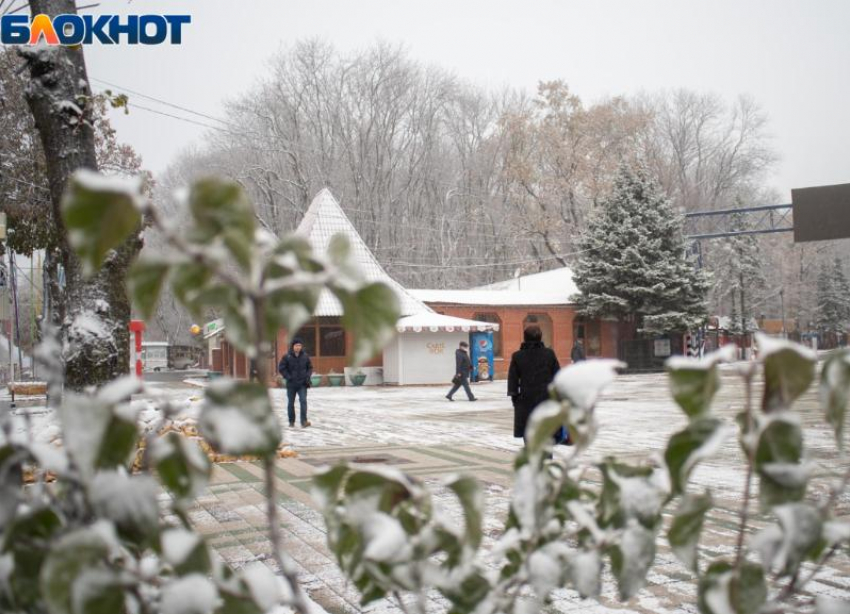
[67,569]
[185,551]
[144,284]
[702,438]
[181,465]
[385,539]
[631,557]
[237,418]
[782,476]
[694,382]
[789,369]
[544,422]
[370,314]
[188,280]
[586,573]
[11,472]
[99,214]
[835,391]
[725,590]
[582,383]
[192,594]
[686,527]
[222,212]
[469,493]
[129,501]
[22,538]
[466,593]
[97,434]
[98,591]
[629,493]
[798,536]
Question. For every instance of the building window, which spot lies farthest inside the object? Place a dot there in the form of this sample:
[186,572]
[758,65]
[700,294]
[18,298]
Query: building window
[544,322]
[325,338]
[497,335]
[331,341]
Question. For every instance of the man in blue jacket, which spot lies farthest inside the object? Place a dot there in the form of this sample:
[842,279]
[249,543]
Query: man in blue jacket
[296,369]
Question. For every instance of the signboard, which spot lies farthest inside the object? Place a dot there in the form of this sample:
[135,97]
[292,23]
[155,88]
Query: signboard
[662,347]
[482,356]
[821,213]
[213,328]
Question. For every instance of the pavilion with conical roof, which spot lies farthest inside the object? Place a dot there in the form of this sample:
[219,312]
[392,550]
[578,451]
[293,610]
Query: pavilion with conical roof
[423,349]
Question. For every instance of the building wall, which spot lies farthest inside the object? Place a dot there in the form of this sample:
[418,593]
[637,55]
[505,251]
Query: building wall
[563,328]
[428,358]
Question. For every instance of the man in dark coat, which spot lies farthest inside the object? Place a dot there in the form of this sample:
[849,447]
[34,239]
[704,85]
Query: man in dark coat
[295,367]
[532,369]
[577,353]
[463,367]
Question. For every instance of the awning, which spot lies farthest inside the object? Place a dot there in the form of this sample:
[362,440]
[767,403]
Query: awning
[435,322]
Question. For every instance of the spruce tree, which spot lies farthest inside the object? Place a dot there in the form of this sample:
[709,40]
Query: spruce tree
[833,310]
[742,272]
[634,261]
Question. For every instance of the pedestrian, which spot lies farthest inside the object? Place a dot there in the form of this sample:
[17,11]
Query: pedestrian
[577,353]
[295,367]
[463,367]
[532,369]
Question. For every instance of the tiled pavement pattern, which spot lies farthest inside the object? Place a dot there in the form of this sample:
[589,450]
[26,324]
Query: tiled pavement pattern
[436,438]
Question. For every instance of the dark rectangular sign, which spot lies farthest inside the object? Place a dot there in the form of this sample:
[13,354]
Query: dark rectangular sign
[821,213]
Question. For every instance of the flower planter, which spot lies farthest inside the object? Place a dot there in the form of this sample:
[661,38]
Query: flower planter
[357,379]
[315,381]
[336,379]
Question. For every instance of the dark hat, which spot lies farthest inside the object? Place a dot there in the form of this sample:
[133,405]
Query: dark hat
[464,344]
[297,340]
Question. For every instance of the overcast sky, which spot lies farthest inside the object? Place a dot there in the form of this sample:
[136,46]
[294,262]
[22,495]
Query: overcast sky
[792,56]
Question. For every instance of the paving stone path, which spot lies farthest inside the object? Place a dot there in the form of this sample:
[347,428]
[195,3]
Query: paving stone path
[419,432]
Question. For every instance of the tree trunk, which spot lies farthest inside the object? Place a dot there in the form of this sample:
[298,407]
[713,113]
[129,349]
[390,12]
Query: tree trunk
[96,311]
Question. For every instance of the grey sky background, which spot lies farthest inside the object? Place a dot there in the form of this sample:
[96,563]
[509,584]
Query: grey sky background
[792,56]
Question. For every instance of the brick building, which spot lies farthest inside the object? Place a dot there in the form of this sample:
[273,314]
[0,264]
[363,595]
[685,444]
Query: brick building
[544,299]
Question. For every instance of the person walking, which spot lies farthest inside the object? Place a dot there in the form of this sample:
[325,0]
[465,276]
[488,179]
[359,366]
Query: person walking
[532,369]
[577,353]
[463,367]
[295,367]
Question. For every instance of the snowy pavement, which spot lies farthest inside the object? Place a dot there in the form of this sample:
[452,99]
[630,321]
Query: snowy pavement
[418,431]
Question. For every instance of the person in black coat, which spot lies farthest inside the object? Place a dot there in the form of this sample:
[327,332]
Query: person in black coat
[463,367]
[295,367]
[532,369]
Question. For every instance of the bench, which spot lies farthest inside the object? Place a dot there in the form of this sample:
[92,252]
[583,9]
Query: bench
[27,389]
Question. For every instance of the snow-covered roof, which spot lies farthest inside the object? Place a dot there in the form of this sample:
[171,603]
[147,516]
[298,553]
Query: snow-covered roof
[324,219]
[557,281]
[436,322]
[489,297]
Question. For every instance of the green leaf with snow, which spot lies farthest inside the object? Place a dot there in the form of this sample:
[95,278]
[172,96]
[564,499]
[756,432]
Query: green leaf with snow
[182,466]
[694,382]
[685,530]
[185,551]
[789,370]
[629,493]
[97,434]
[468,492]
[128,501]
[237,419]
[631,558]
[370,314]
[702,438]
[782,477]
[144,284]
[467,593]
[98,591]
[835,391]
[69,567]
[586,573]
[22,539]
[582,383]
[189,280]
[797,537]
[544,422]
[222,212]
[99,214]
[724,589]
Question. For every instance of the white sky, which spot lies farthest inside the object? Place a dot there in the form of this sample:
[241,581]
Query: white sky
[792,56]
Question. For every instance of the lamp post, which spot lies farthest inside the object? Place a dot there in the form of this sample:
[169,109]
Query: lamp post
[5,310]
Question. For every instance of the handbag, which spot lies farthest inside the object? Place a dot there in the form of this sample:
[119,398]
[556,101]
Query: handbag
[456,379]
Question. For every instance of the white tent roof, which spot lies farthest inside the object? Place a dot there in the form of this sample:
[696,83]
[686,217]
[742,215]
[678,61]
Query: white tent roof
[436,322]
[557,281]
[323,220]
[489,297]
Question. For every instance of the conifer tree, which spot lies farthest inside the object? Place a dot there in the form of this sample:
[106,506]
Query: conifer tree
[634,260]
[833,310]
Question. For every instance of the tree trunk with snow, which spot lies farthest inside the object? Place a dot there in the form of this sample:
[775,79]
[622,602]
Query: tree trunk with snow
[94,312]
